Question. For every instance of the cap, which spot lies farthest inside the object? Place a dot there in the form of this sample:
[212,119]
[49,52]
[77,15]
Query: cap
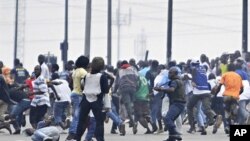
[194,61]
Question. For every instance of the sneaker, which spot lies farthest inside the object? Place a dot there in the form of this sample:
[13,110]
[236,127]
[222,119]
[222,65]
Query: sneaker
[227,131]
[148,132]
[135,128]
[203,131]
[70,137]
[218,122]
[113,131]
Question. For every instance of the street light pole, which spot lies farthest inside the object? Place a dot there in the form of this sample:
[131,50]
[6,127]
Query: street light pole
[169,31]
[245,27]
[88,28]
[64,44]
[16,31]
[109,42]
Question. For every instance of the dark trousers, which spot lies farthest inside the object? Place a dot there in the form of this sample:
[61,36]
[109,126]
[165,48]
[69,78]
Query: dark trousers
[206,104]
[96,108]
[175,109]
[37,114]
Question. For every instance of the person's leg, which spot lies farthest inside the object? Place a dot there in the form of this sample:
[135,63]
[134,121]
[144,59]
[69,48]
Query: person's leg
[190,111]
[99,116]
[243,113]
[33,117]
[17,114]
[154,110]
[41,112]
[75,101]
[175,110]
[83,118]
[3,109]
[91,129]
[206,105]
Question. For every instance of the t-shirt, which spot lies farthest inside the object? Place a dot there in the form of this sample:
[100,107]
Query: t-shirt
[223,68]
[77,76]
[20,74]
[232,82]
[246,91]
[62,90]
[143,91]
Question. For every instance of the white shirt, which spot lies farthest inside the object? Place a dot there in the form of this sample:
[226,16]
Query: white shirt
[160,79]
[246,91]
[222,89]
[62,90]
[45,71]
[92,86]
[187,83]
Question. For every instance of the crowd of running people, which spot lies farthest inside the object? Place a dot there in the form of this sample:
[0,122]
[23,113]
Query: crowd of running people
[159,97]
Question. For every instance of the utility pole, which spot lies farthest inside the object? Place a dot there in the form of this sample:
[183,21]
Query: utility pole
[169,31]
[109,40]
[87,29]
[245,27]
[16,30]
[19,35]
[118,29]
[64,44]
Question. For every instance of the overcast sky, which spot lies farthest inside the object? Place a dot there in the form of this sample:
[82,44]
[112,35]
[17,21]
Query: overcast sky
[199,26]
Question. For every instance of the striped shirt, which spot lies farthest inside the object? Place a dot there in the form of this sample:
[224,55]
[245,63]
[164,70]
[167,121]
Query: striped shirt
[39,85]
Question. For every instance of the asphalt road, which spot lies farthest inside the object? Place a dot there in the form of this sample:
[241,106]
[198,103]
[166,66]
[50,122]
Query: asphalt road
[140,136]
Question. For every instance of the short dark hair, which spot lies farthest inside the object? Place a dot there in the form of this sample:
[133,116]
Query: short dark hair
[231,67]
[82,62]
[55,67]
[16,61]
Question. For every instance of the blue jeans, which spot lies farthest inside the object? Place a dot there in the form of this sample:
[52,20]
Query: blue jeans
[75,101]
[243,114]
[115,117]
[42,134]
[175,109]
[91,129]
[59,111]
[156,105]
[17,111]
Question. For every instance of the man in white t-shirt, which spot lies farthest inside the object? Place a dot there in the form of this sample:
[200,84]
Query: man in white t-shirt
[61,103]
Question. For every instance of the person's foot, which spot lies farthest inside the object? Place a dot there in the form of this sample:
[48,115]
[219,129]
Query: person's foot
[217,123]
[203,131]
[23,122]
[148,132]
[106,119]
[70,137]
[227,131]
[191,130]
[135,128]
[18,131]
[122,129]
[155,128]
[113,131]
